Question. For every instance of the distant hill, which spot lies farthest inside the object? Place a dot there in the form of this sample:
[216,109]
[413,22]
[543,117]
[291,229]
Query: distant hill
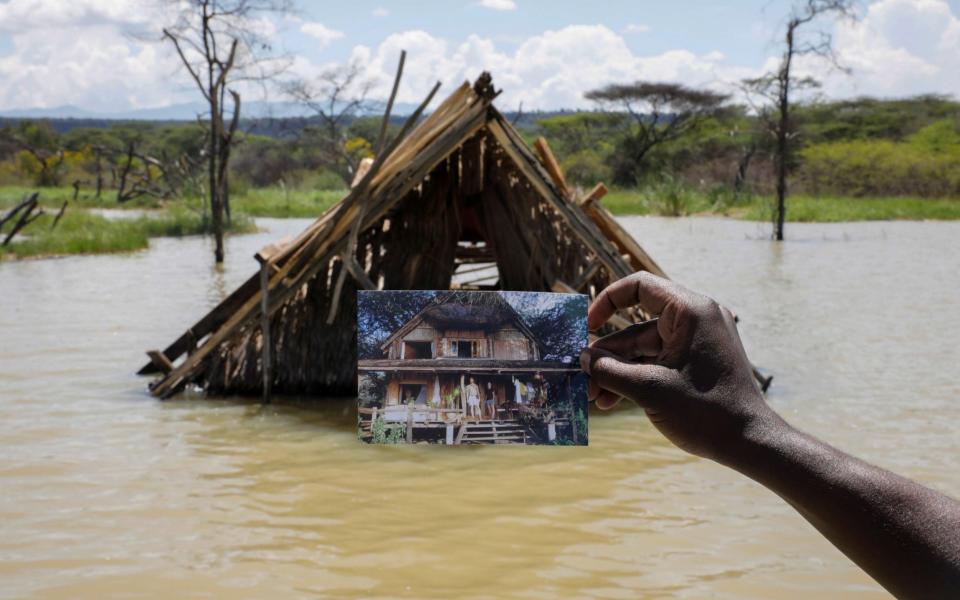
[187,111]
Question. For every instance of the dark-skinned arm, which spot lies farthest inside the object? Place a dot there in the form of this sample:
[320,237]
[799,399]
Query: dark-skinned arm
[688,370]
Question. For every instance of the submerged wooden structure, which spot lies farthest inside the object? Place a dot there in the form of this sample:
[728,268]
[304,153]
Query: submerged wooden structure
[521,392]
[447,196]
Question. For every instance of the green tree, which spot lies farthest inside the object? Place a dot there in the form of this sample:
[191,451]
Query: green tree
[661,113]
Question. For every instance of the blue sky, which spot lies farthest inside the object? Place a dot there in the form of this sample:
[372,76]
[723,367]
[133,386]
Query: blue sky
[736,28]
[100,54]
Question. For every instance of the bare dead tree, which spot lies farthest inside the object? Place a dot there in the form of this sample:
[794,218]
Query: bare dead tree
[136,176]
[29,211]
[220,45]
[777,87]
[517,115]
[740,179]
[335,98]
[661,112]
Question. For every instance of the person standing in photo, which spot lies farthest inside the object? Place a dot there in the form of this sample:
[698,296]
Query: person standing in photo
[491,401]
[473,398]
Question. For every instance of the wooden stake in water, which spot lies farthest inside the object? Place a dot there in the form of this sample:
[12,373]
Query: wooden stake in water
[265,362]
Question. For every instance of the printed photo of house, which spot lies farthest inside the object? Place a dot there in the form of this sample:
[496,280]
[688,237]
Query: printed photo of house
[467,367]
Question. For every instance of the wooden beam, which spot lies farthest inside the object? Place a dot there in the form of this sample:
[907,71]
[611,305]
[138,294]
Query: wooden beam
[266,367]
[549,162]
[585,277]
[272,250]
[160,361]
[639,260]
[598,191]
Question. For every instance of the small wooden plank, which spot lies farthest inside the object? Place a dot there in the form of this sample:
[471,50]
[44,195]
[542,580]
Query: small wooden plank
[585,277]
[160,361]
[598,191]
[550,163]
[273,250]
[638,257]
[362,169]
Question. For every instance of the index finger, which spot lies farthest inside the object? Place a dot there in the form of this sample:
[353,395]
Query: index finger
[642,289]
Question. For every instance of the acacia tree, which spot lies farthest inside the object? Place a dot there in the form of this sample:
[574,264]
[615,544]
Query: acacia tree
[661,112]
[220,44]
[335,98]
[778,86]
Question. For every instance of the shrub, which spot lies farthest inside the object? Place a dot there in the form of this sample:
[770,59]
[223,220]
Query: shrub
[586,168]
[670,198]
[926,164]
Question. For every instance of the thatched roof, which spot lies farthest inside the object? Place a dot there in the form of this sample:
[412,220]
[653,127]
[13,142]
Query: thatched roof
[466,309]
[460,188]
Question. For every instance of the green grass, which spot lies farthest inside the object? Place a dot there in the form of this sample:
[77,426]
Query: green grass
[54,196]
[811,209]
[285,203]
[82,232]
[256,202]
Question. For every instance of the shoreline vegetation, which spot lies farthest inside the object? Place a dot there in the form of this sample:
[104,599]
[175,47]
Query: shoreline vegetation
[857,159]
[83,230]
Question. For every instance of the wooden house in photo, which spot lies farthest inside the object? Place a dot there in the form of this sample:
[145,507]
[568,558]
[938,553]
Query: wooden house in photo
[464,338]
[450,195]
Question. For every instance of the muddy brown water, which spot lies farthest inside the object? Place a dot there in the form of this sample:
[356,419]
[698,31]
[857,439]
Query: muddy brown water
[105,491]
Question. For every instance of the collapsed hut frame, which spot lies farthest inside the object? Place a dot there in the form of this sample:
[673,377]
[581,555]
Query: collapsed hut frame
[460,187]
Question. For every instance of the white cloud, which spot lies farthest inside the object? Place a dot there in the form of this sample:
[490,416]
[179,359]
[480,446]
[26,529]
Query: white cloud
[550,70]
[101,55]
[498,4]
[636,28]
[900,47]
[323,34]
[20,15]
[82,52]
[380,12]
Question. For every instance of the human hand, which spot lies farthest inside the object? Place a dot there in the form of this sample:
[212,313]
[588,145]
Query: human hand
[686,368]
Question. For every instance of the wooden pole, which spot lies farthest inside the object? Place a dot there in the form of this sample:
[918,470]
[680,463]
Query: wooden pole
[573,411]
[410,423]
[381,138]
[266,367]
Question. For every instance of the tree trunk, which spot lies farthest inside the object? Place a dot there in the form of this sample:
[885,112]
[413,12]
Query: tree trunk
[216,206]
[740,179]
[783,132]
[781,211]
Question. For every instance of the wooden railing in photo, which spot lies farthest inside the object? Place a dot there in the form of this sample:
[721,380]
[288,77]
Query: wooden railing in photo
[433,418]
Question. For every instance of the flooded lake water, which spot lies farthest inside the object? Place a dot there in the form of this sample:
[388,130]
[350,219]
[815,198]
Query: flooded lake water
[106,491]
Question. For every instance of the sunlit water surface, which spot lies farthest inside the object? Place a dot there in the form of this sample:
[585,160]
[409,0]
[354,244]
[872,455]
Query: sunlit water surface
[106,491]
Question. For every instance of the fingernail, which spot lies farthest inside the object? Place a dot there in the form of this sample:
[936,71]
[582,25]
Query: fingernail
[585,360]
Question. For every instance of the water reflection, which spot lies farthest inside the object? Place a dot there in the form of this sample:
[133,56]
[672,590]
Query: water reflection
[109,491]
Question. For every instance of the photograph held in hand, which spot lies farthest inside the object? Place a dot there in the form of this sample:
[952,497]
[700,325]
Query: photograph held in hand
[471,367]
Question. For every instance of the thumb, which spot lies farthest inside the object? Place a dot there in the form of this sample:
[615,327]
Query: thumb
[643,383]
